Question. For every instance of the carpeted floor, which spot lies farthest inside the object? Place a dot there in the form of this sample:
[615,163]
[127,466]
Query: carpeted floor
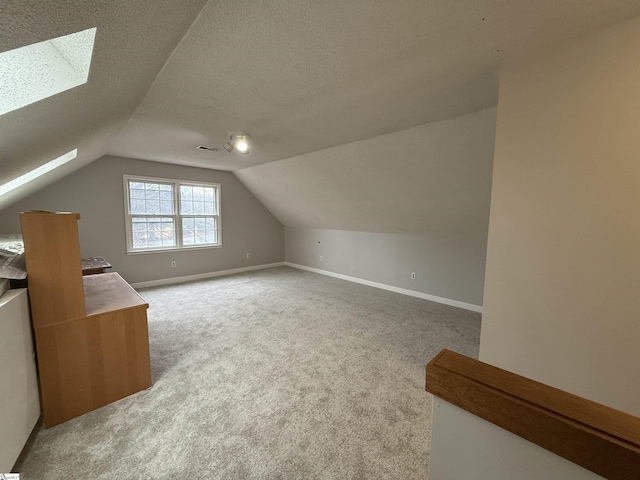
[278,373]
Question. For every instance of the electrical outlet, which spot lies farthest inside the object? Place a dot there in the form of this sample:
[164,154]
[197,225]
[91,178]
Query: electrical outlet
[173,263]
[248,255]
[320,257]
[413,275]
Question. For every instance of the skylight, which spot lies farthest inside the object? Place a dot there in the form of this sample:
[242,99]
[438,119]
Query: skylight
[38,71]
[38,172]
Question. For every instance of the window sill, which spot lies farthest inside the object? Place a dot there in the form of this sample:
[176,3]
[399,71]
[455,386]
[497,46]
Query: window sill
[175,249]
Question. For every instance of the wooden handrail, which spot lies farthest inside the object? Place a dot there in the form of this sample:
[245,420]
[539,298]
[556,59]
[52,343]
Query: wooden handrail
[598,438]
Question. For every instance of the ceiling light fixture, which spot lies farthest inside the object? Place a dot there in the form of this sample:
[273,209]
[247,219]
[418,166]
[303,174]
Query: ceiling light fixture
[238,142]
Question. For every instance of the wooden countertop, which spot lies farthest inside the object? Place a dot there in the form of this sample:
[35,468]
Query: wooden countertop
[108,292]
[90,263]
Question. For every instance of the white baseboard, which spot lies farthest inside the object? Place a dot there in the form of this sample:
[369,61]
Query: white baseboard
[391,288]
[202,276]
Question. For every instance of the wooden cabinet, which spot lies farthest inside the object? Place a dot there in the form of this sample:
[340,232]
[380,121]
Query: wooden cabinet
[52,254]
[91,332]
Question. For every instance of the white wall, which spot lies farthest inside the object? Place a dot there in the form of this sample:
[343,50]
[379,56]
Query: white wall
[466,447]
[95,191]
[562,289]
[562,286]
[414,200]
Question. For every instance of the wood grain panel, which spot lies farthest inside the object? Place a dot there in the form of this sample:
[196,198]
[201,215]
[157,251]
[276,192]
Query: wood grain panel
[91,332]
[598,438]
[52,255]
[108,292]
[90,361]
[48,375]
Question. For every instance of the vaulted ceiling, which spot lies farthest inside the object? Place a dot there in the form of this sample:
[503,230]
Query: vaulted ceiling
[298,76]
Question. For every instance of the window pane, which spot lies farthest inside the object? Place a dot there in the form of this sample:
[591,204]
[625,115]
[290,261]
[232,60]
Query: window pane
[152,207]
[187,231]
[137,193]
[139,240]
[197,200]
[199,230]
[144,198]
[153,232]
[137,206]
[166,208]
[186,192]
[139,227]
[198,194]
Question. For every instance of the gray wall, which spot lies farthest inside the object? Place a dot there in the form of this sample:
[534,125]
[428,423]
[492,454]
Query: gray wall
[416,200]
[562,288]
[96,192]
[446,266]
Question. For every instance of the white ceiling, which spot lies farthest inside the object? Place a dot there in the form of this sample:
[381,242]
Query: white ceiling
[434,178]
[298,76]
[305,76]
[133,41]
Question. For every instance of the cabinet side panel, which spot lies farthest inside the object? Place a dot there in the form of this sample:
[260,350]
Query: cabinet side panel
[126,351]
[49,375]
[52,254]
[91,362]
[77,356]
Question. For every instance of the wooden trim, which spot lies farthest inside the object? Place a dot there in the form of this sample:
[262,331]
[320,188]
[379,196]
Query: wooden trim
[598,438]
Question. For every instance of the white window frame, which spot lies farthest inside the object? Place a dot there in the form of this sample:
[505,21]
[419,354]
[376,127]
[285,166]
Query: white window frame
[177,215]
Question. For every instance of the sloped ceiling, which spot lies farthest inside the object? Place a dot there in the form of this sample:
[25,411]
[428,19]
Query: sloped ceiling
[305,76]
[298,76]
[434,178]
[133,41]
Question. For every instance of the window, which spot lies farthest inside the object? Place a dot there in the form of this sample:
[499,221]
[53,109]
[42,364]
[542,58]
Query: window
[171,214]
[37,172]
[38,71]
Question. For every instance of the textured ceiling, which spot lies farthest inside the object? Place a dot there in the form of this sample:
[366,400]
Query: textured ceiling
[305,76]
[133,41]
[298,76]
[432,178]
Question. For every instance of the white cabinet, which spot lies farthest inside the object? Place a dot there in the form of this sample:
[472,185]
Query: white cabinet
[19,400]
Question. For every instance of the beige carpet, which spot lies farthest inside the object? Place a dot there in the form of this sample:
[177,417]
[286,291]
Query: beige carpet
[272,374]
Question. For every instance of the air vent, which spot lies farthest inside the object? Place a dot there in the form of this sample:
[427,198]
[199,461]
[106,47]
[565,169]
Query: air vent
[202,147]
